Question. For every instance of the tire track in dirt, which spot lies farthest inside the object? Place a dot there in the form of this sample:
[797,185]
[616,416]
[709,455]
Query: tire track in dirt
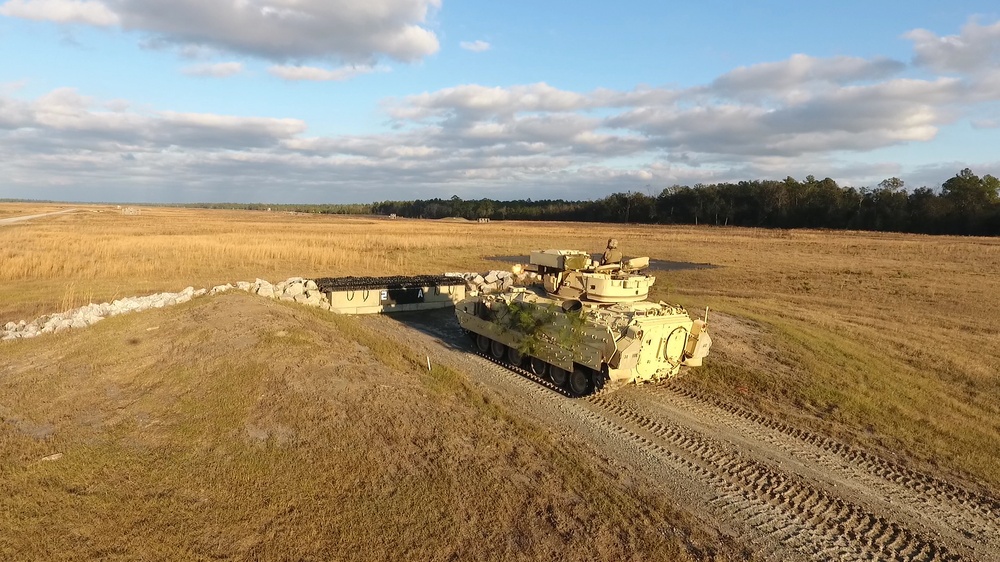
[23,218]
[753,487]
[823,525]
[981,510]
[882,538]
[972,516]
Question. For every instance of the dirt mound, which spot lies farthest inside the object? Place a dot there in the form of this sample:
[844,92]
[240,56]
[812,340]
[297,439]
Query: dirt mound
[240,427]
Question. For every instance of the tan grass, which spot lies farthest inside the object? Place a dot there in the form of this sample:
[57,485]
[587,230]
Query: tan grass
[888,340]
[241,429]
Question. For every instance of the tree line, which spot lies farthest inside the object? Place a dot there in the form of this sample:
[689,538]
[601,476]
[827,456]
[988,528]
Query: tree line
[965,204]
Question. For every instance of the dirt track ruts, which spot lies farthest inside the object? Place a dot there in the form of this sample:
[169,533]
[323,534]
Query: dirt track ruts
[787,492]
[23,218]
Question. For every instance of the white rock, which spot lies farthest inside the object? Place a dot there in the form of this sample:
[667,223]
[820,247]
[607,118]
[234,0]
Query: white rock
[266,291]
[295,290]
[294,280]
[220,289]
[311,285]
[243,285]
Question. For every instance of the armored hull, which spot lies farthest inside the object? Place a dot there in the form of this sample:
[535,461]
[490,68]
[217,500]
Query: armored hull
[586,325]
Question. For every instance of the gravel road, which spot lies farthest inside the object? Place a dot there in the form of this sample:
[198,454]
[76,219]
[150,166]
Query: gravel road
[788,493]
[23,218]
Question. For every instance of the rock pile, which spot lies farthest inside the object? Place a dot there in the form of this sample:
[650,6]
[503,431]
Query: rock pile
[296,289]
[494,281]
[93,313]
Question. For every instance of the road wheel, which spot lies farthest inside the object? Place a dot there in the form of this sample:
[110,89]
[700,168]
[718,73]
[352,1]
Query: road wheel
[558,375]
[514,356]
[538,367]
[498,350]
[483,343]
[580,382]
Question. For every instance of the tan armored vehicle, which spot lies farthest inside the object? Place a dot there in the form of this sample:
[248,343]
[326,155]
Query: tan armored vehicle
[587,325]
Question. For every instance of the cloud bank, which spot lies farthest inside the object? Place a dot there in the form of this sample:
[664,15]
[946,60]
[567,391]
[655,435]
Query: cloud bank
[276,30]
[798,116]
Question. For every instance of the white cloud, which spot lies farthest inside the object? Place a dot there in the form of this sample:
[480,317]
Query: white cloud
[976,48]
[801,71]
[313,73]
[214,70]
[986,123]
[92,12]
[65,119]
[278,30]
[799,116]
[220,131]
[477,46]
[14,86]
[474,98]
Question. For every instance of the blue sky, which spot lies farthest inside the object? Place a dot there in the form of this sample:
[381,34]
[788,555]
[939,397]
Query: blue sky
[323,101]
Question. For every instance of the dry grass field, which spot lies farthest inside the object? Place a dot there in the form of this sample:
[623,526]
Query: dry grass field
[242,429]
[884,340]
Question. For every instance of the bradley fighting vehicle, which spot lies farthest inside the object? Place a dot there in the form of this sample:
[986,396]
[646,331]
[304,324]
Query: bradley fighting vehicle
[587,325]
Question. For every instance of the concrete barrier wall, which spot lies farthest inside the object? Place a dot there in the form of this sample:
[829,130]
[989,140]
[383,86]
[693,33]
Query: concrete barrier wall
[374,301]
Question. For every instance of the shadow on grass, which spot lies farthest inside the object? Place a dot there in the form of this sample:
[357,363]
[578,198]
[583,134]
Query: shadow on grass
[442,325]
